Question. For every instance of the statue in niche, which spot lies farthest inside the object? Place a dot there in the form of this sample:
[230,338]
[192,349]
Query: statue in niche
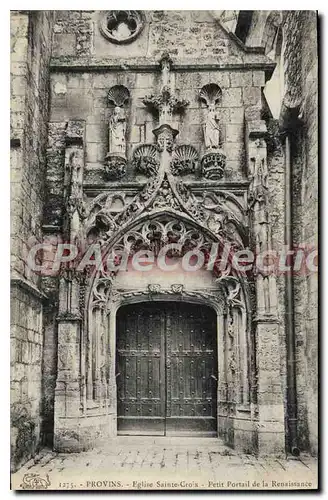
[212,129]
[166,63]
[259,174]
[258,191]
[74,202]
[117,132]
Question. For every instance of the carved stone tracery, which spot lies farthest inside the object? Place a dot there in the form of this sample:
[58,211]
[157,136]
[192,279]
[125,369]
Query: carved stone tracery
[122,26]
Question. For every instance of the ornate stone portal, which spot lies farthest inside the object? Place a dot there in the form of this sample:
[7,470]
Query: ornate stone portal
[167,211]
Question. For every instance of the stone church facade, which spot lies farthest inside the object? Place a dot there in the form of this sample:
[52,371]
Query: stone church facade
[140,129]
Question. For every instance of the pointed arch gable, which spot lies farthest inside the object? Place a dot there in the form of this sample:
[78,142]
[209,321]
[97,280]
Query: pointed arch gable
[163,220]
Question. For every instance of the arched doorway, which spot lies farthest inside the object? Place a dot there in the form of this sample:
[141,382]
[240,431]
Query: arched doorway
[166,369]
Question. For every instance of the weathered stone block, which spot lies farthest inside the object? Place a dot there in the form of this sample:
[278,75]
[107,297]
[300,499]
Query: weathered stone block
[234,133]
[236,115]
[231,97]
[252,96]
[240,78]
[64,44]
[258,78]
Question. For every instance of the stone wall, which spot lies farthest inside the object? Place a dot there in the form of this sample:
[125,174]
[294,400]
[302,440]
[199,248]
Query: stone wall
[82,95]
[30,53]
[301,81]
[184,34]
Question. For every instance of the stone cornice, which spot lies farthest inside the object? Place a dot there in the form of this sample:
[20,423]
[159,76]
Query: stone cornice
[28,287]
[92,64]
[134,187]
[266,319]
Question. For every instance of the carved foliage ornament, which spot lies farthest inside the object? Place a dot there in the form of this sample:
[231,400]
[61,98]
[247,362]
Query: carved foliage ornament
[163,193]
[146,160]
[156,233]
[213,165]
[115,167]
[122,26]
[184,160]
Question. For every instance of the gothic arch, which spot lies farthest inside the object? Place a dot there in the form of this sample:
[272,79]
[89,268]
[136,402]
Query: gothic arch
[167,215]
[229,297]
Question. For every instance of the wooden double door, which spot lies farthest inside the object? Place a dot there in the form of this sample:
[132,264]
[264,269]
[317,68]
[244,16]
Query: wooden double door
[166,369]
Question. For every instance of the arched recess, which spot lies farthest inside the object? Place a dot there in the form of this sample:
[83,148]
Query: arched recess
[228,292]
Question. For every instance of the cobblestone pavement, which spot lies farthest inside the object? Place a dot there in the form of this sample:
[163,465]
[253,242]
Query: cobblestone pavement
[158,463]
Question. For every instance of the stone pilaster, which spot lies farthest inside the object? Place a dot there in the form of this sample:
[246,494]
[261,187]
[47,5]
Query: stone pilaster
[68,384]
[270,408]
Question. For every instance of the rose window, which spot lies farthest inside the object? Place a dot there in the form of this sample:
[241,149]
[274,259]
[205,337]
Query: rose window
[122,26]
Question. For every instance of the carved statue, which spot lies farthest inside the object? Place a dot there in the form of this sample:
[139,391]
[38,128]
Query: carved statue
[211,129]
[117,131]
[259,176]
[74,198]
[74,188]
[166,63]
[258,193]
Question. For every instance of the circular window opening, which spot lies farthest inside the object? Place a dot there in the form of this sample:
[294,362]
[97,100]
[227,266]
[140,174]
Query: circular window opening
[122,26]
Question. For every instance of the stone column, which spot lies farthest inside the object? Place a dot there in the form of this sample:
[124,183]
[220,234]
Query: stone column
[68,384]
[270,431]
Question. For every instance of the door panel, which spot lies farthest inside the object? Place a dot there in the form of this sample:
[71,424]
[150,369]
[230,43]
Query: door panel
[140,370]
[191,371]
[166,369]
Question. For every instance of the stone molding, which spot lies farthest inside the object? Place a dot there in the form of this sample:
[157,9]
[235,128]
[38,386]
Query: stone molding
[27,286]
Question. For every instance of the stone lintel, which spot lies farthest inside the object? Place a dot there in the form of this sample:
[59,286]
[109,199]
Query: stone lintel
[238,187]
